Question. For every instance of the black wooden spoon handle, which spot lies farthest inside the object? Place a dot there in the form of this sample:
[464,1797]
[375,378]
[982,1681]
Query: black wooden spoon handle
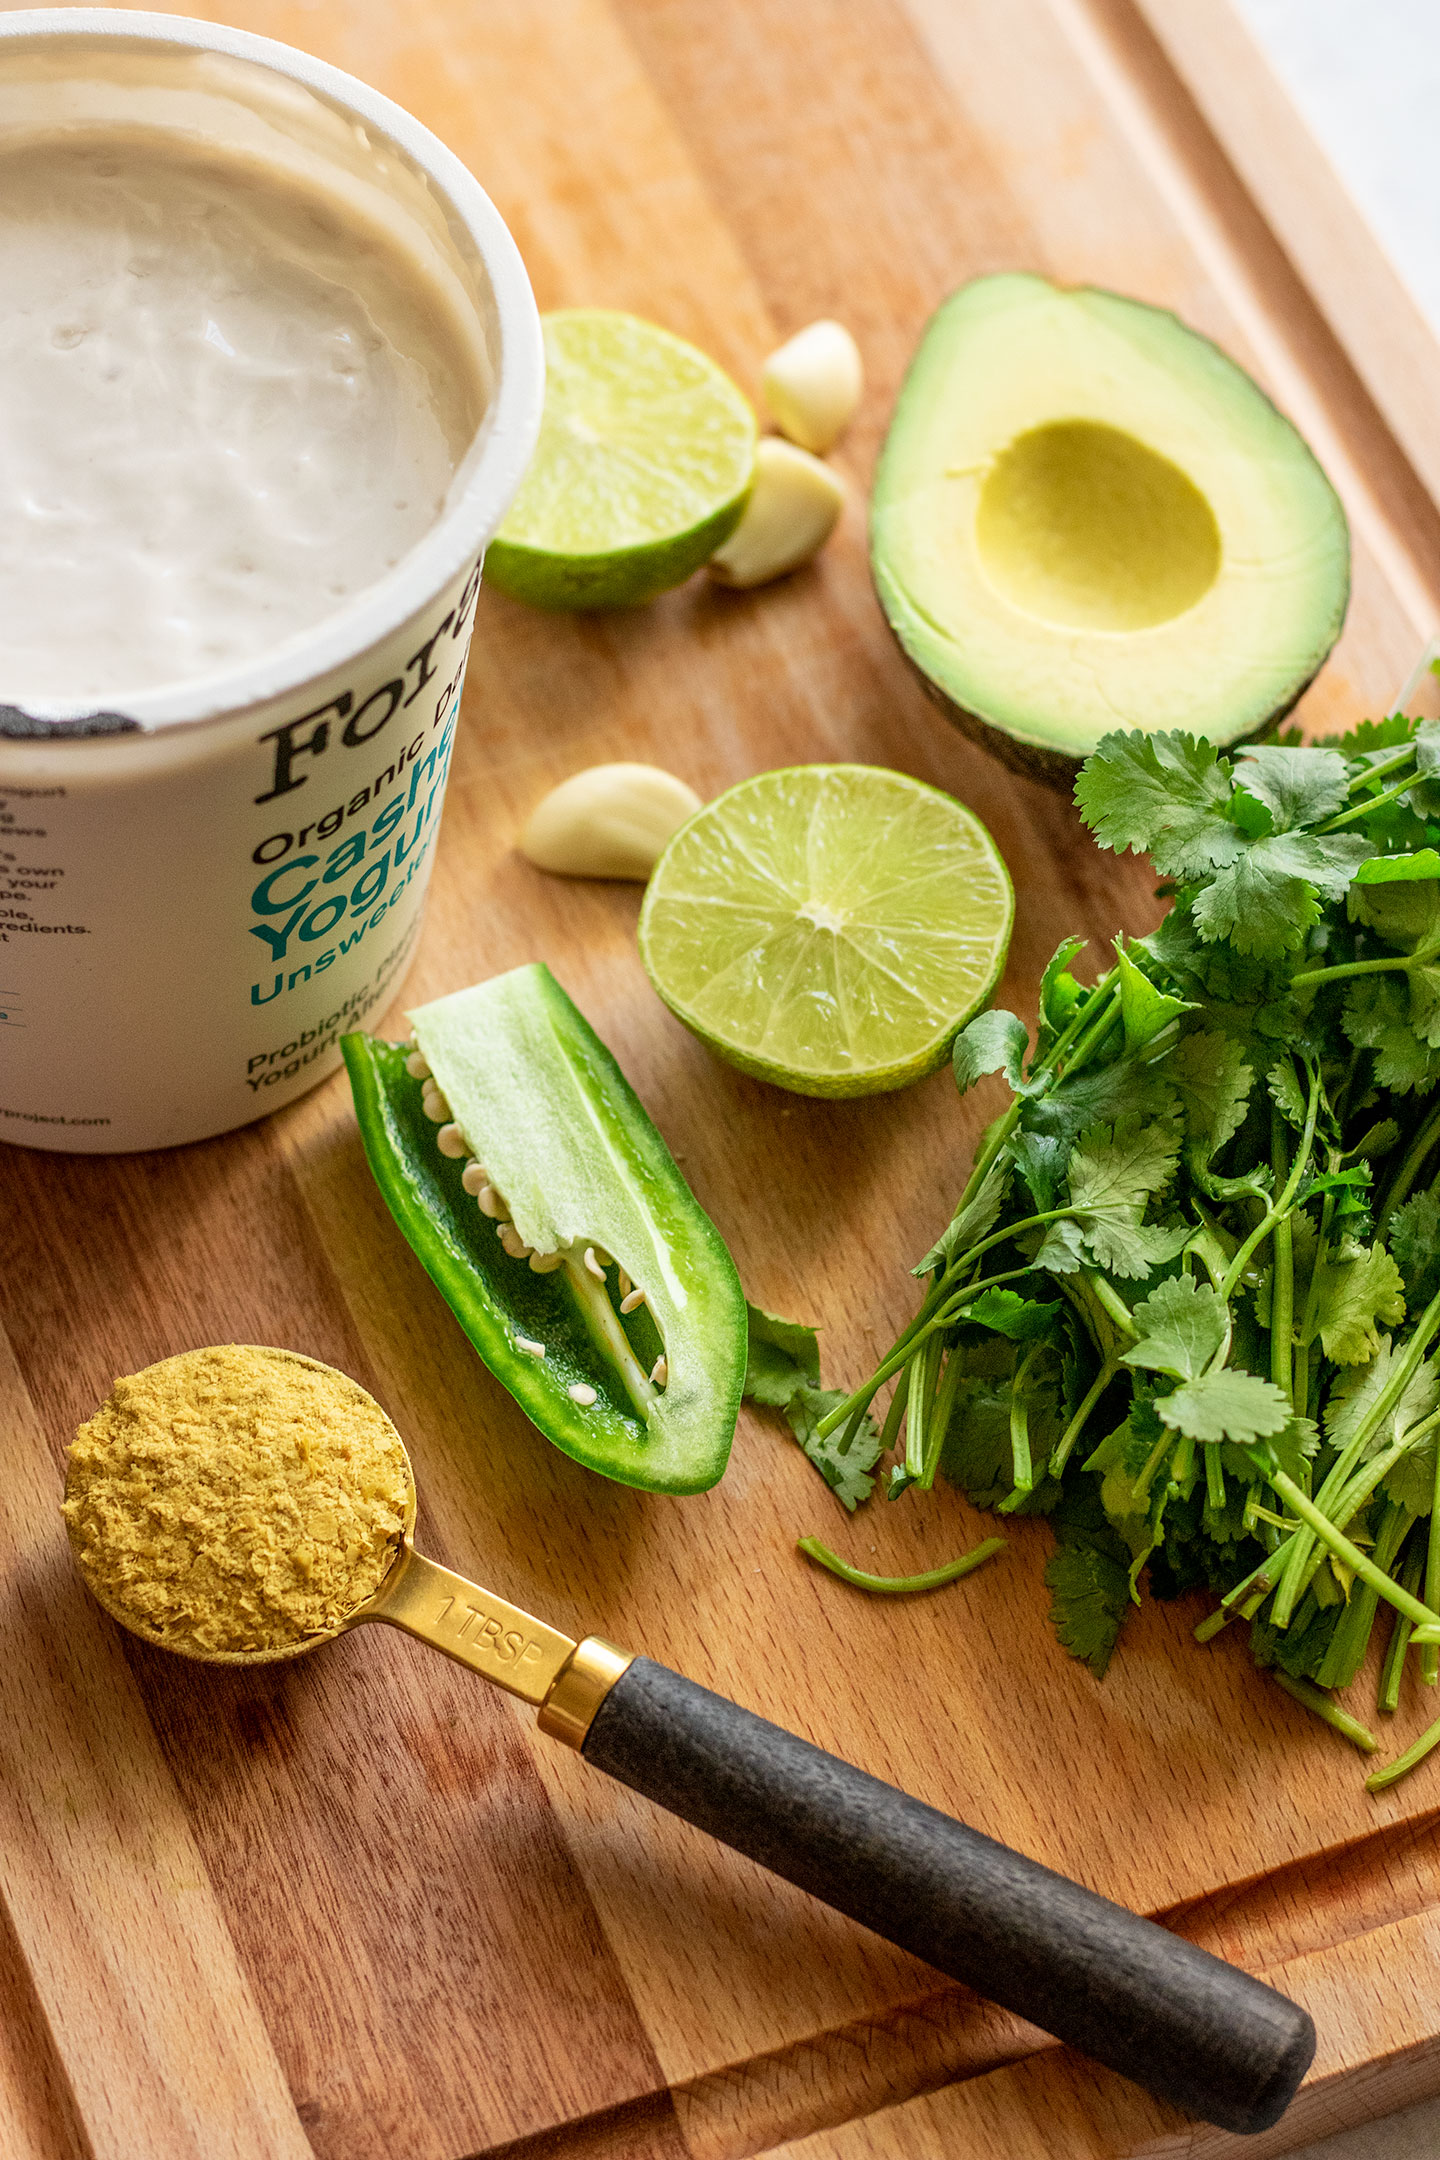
[1189,2028]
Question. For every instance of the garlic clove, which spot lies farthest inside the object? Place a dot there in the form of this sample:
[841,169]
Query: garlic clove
[794,507]
[609,821]
[812,384]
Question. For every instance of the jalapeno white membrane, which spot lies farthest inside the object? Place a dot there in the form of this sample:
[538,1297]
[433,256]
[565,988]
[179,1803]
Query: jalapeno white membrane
[586,1265]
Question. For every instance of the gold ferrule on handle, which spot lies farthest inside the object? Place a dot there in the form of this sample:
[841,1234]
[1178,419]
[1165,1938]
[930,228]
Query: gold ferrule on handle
[578,1691]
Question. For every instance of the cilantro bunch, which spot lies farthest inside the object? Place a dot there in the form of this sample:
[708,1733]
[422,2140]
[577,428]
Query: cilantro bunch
[1188,1305]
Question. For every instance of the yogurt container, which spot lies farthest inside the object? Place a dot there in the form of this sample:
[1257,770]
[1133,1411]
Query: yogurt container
[204,883]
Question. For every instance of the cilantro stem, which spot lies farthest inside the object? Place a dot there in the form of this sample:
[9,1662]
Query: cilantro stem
[1113,1303]
[940,1415]
[901,1585]
[1338,973]
[1421,1143]
[1371,803]
[1380,770]
[1404,1764]
[1316,1700]
[1430,1654]
[1286,1200]
[1022,1468]
[1102,994]
[1282,1278]
[905,1348]
[1081,1418]
[1358,1562]
[923,1368]
[1391,1672]
[1214,1478]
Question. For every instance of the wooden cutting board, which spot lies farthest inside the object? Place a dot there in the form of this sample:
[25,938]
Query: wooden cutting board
[355,1906]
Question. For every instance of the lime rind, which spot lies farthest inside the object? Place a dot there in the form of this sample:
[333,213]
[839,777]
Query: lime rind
[643,467]
[829,928]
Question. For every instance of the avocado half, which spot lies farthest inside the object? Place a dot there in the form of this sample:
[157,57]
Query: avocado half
[1086,517]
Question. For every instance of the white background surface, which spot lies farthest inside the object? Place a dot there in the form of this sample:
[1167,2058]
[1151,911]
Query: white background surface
[1366,76]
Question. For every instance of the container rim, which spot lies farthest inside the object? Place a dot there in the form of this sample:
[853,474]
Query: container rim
[510,426]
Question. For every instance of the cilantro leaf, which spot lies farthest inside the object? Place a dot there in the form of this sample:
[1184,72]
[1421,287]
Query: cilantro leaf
[1062,1249]
[1040,1158]
[1060,994]
[1267,898]
[1182,1326]
[1412,1480]
[1162,795]
[1114,1171]
[1404,910]
[1282,1084]
[781,1356]
[993,1042]
[1415,1246]
[1088,1578]
[1354,1292]
[1121,1166]
[782,1371]
[1226,1405]
[1144,1009]
[1214,1083]
[845,1470]
[1424,984]
[1357,1391]
[1005,1312]
[1099,1095]
[1376,1016]
[973,1220]
[1297,786]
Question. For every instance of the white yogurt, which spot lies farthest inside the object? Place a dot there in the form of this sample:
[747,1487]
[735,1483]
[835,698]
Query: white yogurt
[226,409]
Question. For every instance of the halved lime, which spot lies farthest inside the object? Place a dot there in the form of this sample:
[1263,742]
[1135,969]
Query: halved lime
[828,927]
[644,462]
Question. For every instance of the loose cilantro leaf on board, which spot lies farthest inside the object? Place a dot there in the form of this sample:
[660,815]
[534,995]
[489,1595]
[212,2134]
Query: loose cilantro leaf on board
[781,1356]
[847,1471]
[782,1371]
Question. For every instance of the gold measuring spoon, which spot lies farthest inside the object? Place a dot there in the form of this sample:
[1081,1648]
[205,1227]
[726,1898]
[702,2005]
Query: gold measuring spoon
[1191,2029]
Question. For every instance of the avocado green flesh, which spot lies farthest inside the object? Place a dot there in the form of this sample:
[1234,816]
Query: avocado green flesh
[566,1141]
[1086,517]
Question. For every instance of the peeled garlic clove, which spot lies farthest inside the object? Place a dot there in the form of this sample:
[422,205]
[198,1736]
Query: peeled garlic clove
[793,508]
[812,384]
[609,821]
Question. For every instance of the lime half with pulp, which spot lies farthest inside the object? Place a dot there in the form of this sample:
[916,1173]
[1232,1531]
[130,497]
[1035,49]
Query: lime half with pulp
[829,927]
[645,458]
